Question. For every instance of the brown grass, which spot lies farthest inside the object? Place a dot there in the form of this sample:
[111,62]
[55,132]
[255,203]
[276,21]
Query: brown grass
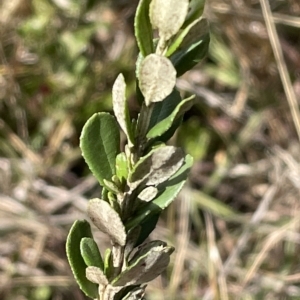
[235,225]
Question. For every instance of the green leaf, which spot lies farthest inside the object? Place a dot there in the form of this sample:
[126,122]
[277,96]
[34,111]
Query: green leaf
[196,8]
[113,202]
[121,109]
[78,231]
[197,30]
[157,78]
[179,39]
[147,226]
[185,60]
[156,167]
[108,265]
[111,186]
[164,108]
[122,166]
[171,188]
[104,194]
[143,28]
[193,48]
[170,132]
[90,253]
[167,192]
[165,124]
[161,111]
[100,143]
[107,220]
[132,238]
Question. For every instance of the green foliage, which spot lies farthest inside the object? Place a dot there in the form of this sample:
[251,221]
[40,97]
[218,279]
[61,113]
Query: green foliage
[156,167]
[148,262]
[164,125]
[79,231]
[139,183]
[196,8]
[90,253]
[100,143]
[143,28]
[122,166]
[164,108]
[188,57]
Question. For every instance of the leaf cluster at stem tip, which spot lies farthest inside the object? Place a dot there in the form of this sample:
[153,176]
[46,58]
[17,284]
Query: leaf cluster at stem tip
[143,179]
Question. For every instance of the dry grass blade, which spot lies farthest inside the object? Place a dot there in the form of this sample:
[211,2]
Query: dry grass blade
[269,243]
[182,240]
[283,71]
[216,266]
[252,13]
[255,220]
[58,281]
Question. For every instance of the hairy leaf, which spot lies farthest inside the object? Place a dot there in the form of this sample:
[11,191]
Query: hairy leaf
[149,262]
[136,294]
[107,220]
[168,16]
[157,78]
[167,193]
[120,107]
[148,194]
[78,231]
[96,275]
[99,143]
[171,188]
[112,293]
[157,166]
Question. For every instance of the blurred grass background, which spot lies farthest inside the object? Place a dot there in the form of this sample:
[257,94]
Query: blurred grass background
[235,225]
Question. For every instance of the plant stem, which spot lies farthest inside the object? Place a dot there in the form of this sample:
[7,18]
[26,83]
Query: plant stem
[161,46]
